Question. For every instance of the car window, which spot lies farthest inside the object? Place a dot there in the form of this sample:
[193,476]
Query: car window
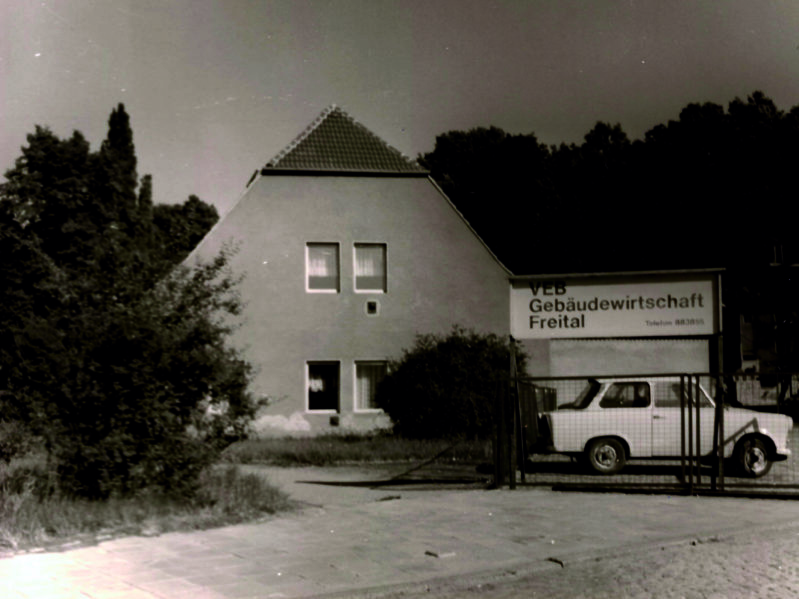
[626,395]
[670,398]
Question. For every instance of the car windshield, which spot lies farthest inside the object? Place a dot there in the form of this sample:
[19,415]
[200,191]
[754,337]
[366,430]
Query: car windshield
[587,394]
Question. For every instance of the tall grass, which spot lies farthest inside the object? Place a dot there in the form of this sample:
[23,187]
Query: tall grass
[31,518]
[329,450]
[34,513]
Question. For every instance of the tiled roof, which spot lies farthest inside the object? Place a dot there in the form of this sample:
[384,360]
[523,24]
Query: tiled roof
[335,142]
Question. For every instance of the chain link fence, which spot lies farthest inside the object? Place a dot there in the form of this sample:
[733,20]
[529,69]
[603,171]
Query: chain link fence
[681,432]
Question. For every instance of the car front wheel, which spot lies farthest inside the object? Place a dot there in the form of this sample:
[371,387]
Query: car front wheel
[752,458]
[605,456]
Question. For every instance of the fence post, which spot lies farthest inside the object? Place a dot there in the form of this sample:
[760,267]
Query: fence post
[717,476]
[698,455]
[499,435]
[686,426]
[722,446]
[511,413]
[714,464]
[521,443]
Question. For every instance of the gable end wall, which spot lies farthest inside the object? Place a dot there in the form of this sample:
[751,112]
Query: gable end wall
[439,274]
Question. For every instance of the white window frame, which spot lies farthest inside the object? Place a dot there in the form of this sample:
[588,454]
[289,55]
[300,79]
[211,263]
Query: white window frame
[308,408]
[356,387]
[308,246]
[355,247]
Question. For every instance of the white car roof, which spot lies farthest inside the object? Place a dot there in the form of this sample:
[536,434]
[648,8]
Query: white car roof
[641,379]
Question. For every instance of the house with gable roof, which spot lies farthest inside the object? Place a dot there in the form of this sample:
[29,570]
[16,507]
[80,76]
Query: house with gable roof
[348,250]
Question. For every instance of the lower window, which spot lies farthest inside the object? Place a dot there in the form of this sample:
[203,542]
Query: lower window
[367,376]
[323,386]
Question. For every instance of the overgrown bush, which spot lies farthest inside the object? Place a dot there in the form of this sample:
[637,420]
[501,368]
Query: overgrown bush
[144,394]
[15,440]
[444,386]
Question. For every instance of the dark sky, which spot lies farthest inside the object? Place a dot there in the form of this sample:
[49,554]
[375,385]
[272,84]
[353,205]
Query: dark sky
[216,88]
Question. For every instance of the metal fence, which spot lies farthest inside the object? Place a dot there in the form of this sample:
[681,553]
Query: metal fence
[691,433]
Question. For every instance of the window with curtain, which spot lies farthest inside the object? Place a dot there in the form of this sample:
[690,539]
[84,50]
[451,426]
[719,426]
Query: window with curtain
[323,386]
[367,377]
[322,267]
[370,267]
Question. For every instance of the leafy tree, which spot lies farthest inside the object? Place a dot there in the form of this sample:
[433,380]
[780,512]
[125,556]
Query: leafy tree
[445,385]
[49,191]
[144,202]
[151,391]
[593,179]
[119,367]
[118,158]
[28,294]
[500,183]
[180,227]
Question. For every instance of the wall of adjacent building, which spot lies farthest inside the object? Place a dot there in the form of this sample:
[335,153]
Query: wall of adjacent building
[582,357]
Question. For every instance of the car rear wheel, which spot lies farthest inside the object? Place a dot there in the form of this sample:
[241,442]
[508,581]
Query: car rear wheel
[605,456]
[751,457]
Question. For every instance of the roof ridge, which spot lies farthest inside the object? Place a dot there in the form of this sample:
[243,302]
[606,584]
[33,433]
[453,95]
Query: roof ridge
[339,148]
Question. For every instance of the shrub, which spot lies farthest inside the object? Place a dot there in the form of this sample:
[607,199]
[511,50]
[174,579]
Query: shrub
[231,492]
[15,440]
[445,385]
[141,394]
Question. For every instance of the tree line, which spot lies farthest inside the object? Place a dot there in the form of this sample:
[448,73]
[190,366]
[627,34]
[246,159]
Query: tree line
[713,188]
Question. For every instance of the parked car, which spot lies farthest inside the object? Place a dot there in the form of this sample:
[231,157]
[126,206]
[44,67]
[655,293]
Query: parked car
[616,419]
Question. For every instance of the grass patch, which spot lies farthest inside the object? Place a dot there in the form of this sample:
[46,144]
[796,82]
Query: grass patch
[33,515]
[329,450]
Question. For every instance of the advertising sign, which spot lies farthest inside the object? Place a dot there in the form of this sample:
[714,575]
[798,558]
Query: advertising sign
[631,306]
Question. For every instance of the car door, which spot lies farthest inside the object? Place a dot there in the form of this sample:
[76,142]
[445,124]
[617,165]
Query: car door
[626,411]
[666,419]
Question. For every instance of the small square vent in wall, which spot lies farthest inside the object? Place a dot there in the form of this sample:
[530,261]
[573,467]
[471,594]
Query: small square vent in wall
[372,308]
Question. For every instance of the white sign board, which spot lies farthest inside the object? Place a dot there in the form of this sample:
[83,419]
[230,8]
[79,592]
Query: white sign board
[592,307]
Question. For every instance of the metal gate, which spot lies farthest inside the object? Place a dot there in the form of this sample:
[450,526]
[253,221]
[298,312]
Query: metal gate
[678,433]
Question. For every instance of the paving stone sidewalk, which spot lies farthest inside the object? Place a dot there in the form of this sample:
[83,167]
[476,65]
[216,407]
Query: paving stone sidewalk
[380,538]
[754,565]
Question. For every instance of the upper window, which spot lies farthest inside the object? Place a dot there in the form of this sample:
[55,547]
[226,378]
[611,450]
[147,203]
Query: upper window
[322,267]
[626,395]
[370,267]
[367,377]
